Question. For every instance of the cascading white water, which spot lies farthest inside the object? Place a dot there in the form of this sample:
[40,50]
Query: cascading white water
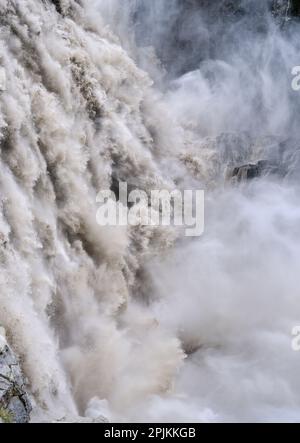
[134,323]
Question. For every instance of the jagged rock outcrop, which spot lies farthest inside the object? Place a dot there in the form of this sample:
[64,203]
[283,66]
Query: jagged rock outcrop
[256,170]
[15,405]
[283,162]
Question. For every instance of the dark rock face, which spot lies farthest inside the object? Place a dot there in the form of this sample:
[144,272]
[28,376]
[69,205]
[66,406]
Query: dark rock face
[247,172]
[15,406]
[284,162]
[187,32]
[295,8]
[286,9]
[57,5]
[275,157]
[281,7]
[251,171]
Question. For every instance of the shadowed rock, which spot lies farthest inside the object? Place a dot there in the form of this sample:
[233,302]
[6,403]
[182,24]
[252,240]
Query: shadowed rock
[57,5]
[259,169]
[15,406]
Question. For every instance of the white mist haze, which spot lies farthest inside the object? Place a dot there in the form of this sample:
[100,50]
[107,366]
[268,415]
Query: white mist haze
[135,323]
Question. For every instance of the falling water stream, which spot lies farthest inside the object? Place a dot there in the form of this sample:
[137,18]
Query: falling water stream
[140,323]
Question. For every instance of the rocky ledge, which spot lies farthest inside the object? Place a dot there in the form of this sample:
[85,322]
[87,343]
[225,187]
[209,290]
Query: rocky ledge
[259,169]
[15,405]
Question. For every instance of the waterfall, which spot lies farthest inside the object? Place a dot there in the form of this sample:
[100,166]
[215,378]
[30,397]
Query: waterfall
[139,323]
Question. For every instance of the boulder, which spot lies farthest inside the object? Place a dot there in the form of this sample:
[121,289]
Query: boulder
[15,405]
[256,170]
